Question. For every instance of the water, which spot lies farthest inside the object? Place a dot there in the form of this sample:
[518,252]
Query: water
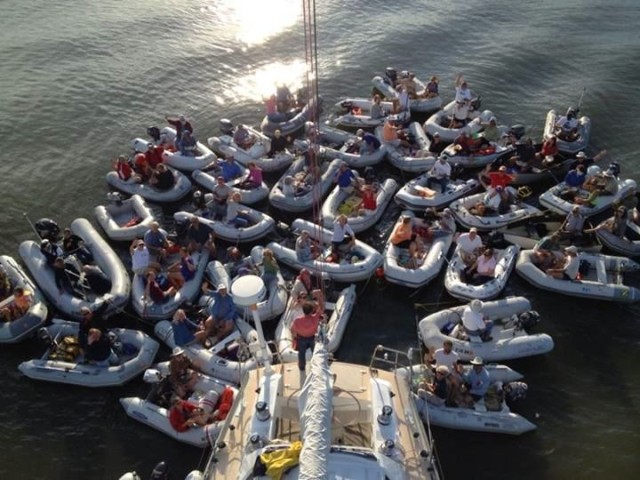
[78,80]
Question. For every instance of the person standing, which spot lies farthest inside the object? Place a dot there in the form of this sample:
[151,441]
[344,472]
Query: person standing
[304,329]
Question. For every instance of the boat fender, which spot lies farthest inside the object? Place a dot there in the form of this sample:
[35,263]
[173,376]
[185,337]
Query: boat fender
[224,404]
[130,476]
[528,320]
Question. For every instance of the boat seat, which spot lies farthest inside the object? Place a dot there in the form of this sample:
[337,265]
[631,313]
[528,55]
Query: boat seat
[218,347]
[601,271]
[475,339]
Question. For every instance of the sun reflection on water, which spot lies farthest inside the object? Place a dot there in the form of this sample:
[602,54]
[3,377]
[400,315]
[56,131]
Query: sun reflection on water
[262,82]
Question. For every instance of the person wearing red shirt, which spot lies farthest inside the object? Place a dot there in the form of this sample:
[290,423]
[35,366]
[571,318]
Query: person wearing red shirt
[154,155]
[304,329]
[500,178]
[183,415]
[124,170]
[369,198]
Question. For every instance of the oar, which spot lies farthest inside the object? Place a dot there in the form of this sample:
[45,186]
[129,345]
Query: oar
[584,90]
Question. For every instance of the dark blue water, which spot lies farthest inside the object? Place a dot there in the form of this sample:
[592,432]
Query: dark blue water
[79,79]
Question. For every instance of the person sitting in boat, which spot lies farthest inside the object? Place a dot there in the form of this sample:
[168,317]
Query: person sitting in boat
[303,289]
[141,258]
[377,111]
[22,301]
[235,264]
[98,281]
[567,127]
[156,242]
[184,414]
[409,83]
[464,145]
[74,245]
[182,270]
[154,155]
[432,88]
[271,108]
[221,192]
[575,178]
[50,251]
[548,152]
[222,314]
[253,178]
[242,138]
[158,288]
[526,152]
[200,236]
[235,215]
[293,188]
[369,144]
[284,98]
[65,276]
[402,234]
[185,331]
[469,246]
[304,329]
[124,170]
[346,179]
[391,135]
[476,382]
[490,132]
[437,146]
[142,167]
[182,372]
[438,391]
[571,267]
[482,270]
[98,350]
[462,103]
[270,267]
[496,179]
[586,162]
[188,145]
[402,102]
[369,200]
[446,224]
[417,253]
[343,237]
[440,174]
[474,323]
[230,169]
[573,224]
[617,225]
[279,144]
[549,243]
[305,248]
[181,125]
[162,178]
[5,284]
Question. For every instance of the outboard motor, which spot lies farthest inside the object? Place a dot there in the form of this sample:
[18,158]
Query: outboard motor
[456,171]
[346,105]
[370,175]
[477,103]
[391,76]
[198,201]
[48,229]
[45,338]
[528,320]
[154,133]
[115,198]
[515,391]
[181,227]
[226,127]
[517,131]
[614,168]
[160,472]
[496,239]
[284,230]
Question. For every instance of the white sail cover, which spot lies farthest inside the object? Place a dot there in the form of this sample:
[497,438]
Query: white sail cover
[315,407]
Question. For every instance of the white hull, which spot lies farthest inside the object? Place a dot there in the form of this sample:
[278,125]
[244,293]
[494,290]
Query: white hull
[435,122]
[408,196]
[623,246]
[260,224]
[340,272]
[292,124]
[551,200]
[180,189]
[400,157]
[508,342]
[248,196]
[185,163]
[114,218]
[419,105]
[517,213]
[584,132]
[87,375]
[104,257]
[363,118]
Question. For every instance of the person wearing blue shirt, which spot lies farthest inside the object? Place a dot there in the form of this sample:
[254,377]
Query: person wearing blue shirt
[370,144]
[477,380]
[230,169]
[575,178]
[345,178]
[221,314]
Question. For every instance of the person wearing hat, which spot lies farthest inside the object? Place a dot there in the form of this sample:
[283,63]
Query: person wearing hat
[476,381]
[221,192]
[582,159]
[141,259]
[475,323]
[222,313]
[437,145]
[570,268]
[469,246]
[439,174]
[181,125]
[182,371]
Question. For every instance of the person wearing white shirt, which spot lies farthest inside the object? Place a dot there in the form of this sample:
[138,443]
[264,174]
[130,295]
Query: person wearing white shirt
[469,244]
[141,258]
[474,322]
[482,270]
[342,233]
[571,267]
[446,356]
[567,127]
[462,103]
[439,173]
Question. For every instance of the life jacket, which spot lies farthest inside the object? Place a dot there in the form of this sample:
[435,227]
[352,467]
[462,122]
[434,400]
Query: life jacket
[224,404]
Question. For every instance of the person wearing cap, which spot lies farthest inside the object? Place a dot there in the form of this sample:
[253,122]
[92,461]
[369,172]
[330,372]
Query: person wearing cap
[469,245]
[475,323]
[222,313]
[439,174]
[462,103]
[182,371]
[477,381]
[436,146]
[141,259]
[566,127]
[304,329]
[200,236]
[571,267]
[582,159]
[181,125]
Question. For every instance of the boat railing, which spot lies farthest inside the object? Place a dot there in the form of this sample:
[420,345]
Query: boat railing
[389,359]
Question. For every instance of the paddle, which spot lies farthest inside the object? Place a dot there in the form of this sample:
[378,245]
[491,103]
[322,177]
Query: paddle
[584,90]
